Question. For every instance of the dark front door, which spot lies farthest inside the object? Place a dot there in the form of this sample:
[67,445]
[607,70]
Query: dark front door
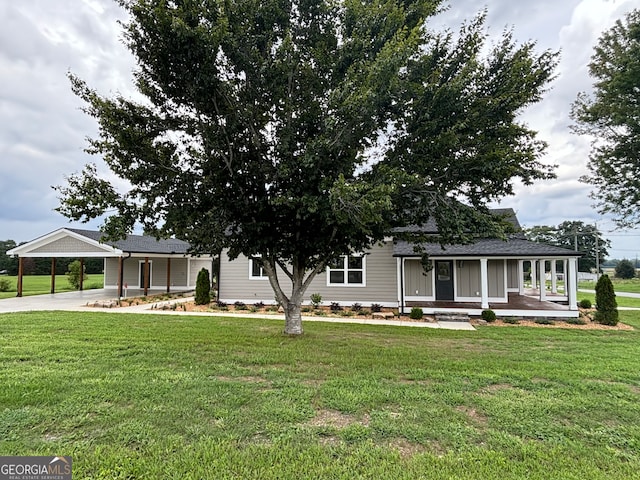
[444,279]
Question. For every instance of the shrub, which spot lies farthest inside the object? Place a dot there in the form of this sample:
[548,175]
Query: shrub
[488,315]
[625,269]
[74,274]
[335,307]
[376,307]
[5,284]
[203,288]
[316,300]
[544,321]
[606,305]
[258,305]
[511,320]
[416,313]
[576,321]
[240,306]
[585,303]
[356,307]
[221,304]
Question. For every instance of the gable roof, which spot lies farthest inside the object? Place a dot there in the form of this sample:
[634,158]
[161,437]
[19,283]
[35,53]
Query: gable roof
[75,242]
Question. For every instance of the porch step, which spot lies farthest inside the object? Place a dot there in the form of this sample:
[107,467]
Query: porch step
[451,317]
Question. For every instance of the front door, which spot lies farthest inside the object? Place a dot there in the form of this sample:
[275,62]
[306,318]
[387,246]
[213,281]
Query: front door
[444,279]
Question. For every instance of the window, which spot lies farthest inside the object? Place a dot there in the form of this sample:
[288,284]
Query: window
[347,270]
[256,272]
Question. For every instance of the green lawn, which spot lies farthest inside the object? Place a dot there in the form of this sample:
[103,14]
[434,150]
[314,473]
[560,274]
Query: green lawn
[622,301]
[40,284]
[156,397]
[632,285]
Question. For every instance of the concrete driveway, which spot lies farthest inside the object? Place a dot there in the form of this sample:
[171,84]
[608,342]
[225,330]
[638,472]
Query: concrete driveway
[56,301]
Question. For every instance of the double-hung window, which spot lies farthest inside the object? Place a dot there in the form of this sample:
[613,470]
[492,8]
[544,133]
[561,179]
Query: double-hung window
[256,272]
[349,270]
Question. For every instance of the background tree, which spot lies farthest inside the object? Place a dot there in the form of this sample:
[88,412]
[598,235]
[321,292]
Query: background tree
[75,273]
[10,264]
[302,131]
[572,234]
[606,305]
[612,117]
[625,269]
[203,288]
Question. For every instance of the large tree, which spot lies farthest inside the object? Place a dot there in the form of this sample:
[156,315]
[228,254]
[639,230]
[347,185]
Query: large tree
[299,131]
[611,115]
[574,235]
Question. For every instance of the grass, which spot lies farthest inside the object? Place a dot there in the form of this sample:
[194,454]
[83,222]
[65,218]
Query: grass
[145,396]
[619,285]
[41,284]
[622,301]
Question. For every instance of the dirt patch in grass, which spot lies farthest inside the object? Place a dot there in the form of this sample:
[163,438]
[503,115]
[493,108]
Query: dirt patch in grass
[405,448]
[335,419]
[477,418]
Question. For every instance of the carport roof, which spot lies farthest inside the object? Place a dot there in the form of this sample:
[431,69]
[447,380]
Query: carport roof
[75,242]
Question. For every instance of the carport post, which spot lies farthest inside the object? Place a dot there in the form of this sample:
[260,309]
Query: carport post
[20,272]
[53,274]
[146,276]
[81,273]
[120,261]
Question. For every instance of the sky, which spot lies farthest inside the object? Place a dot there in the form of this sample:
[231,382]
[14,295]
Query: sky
[43,129]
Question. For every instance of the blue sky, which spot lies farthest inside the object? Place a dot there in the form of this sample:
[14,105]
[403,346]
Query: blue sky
[43,130]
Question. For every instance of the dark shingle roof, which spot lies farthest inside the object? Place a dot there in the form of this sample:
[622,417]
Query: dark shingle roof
[487,247]
[431,226]
[138,243]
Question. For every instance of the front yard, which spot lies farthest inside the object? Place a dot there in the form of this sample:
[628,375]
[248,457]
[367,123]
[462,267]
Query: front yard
[146,396]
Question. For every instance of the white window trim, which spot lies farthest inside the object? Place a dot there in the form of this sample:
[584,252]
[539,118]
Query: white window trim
[346,273]
[263,275]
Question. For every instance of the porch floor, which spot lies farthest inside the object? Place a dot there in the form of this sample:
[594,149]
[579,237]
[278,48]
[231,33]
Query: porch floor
[515,302]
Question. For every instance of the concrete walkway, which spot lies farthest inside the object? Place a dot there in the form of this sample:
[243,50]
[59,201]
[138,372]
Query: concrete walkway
[78,301]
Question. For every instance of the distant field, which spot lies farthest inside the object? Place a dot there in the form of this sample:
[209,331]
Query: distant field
[40,284]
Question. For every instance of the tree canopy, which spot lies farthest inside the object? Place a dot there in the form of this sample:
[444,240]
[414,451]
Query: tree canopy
[611,115]
[574,235]
[300,131]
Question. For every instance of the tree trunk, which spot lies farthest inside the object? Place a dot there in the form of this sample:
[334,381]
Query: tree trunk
[292,319]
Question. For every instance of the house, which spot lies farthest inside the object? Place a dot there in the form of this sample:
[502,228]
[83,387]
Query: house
[135,263]
[509,276]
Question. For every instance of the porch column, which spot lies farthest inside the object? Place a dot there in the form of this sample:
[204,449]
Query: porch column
[571,283]
[554,274]
[20,273]
[399,282]
[146,276]
[120,275]
[543,280]
[565,273]
[521,277]
[484,283]
[53,274]
[534,276]
[81,273]
[168,275]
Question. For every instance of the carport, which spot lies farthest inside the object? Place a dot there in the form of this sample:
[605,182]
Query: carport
[136,262]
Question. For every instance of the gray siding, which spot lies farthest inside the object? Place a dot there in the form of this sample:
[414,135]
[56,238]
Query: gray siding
[68,245]
[495,272]
[131,274]
[196,265]
[380,277]
[512,274]
[418,283]
[468,278]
